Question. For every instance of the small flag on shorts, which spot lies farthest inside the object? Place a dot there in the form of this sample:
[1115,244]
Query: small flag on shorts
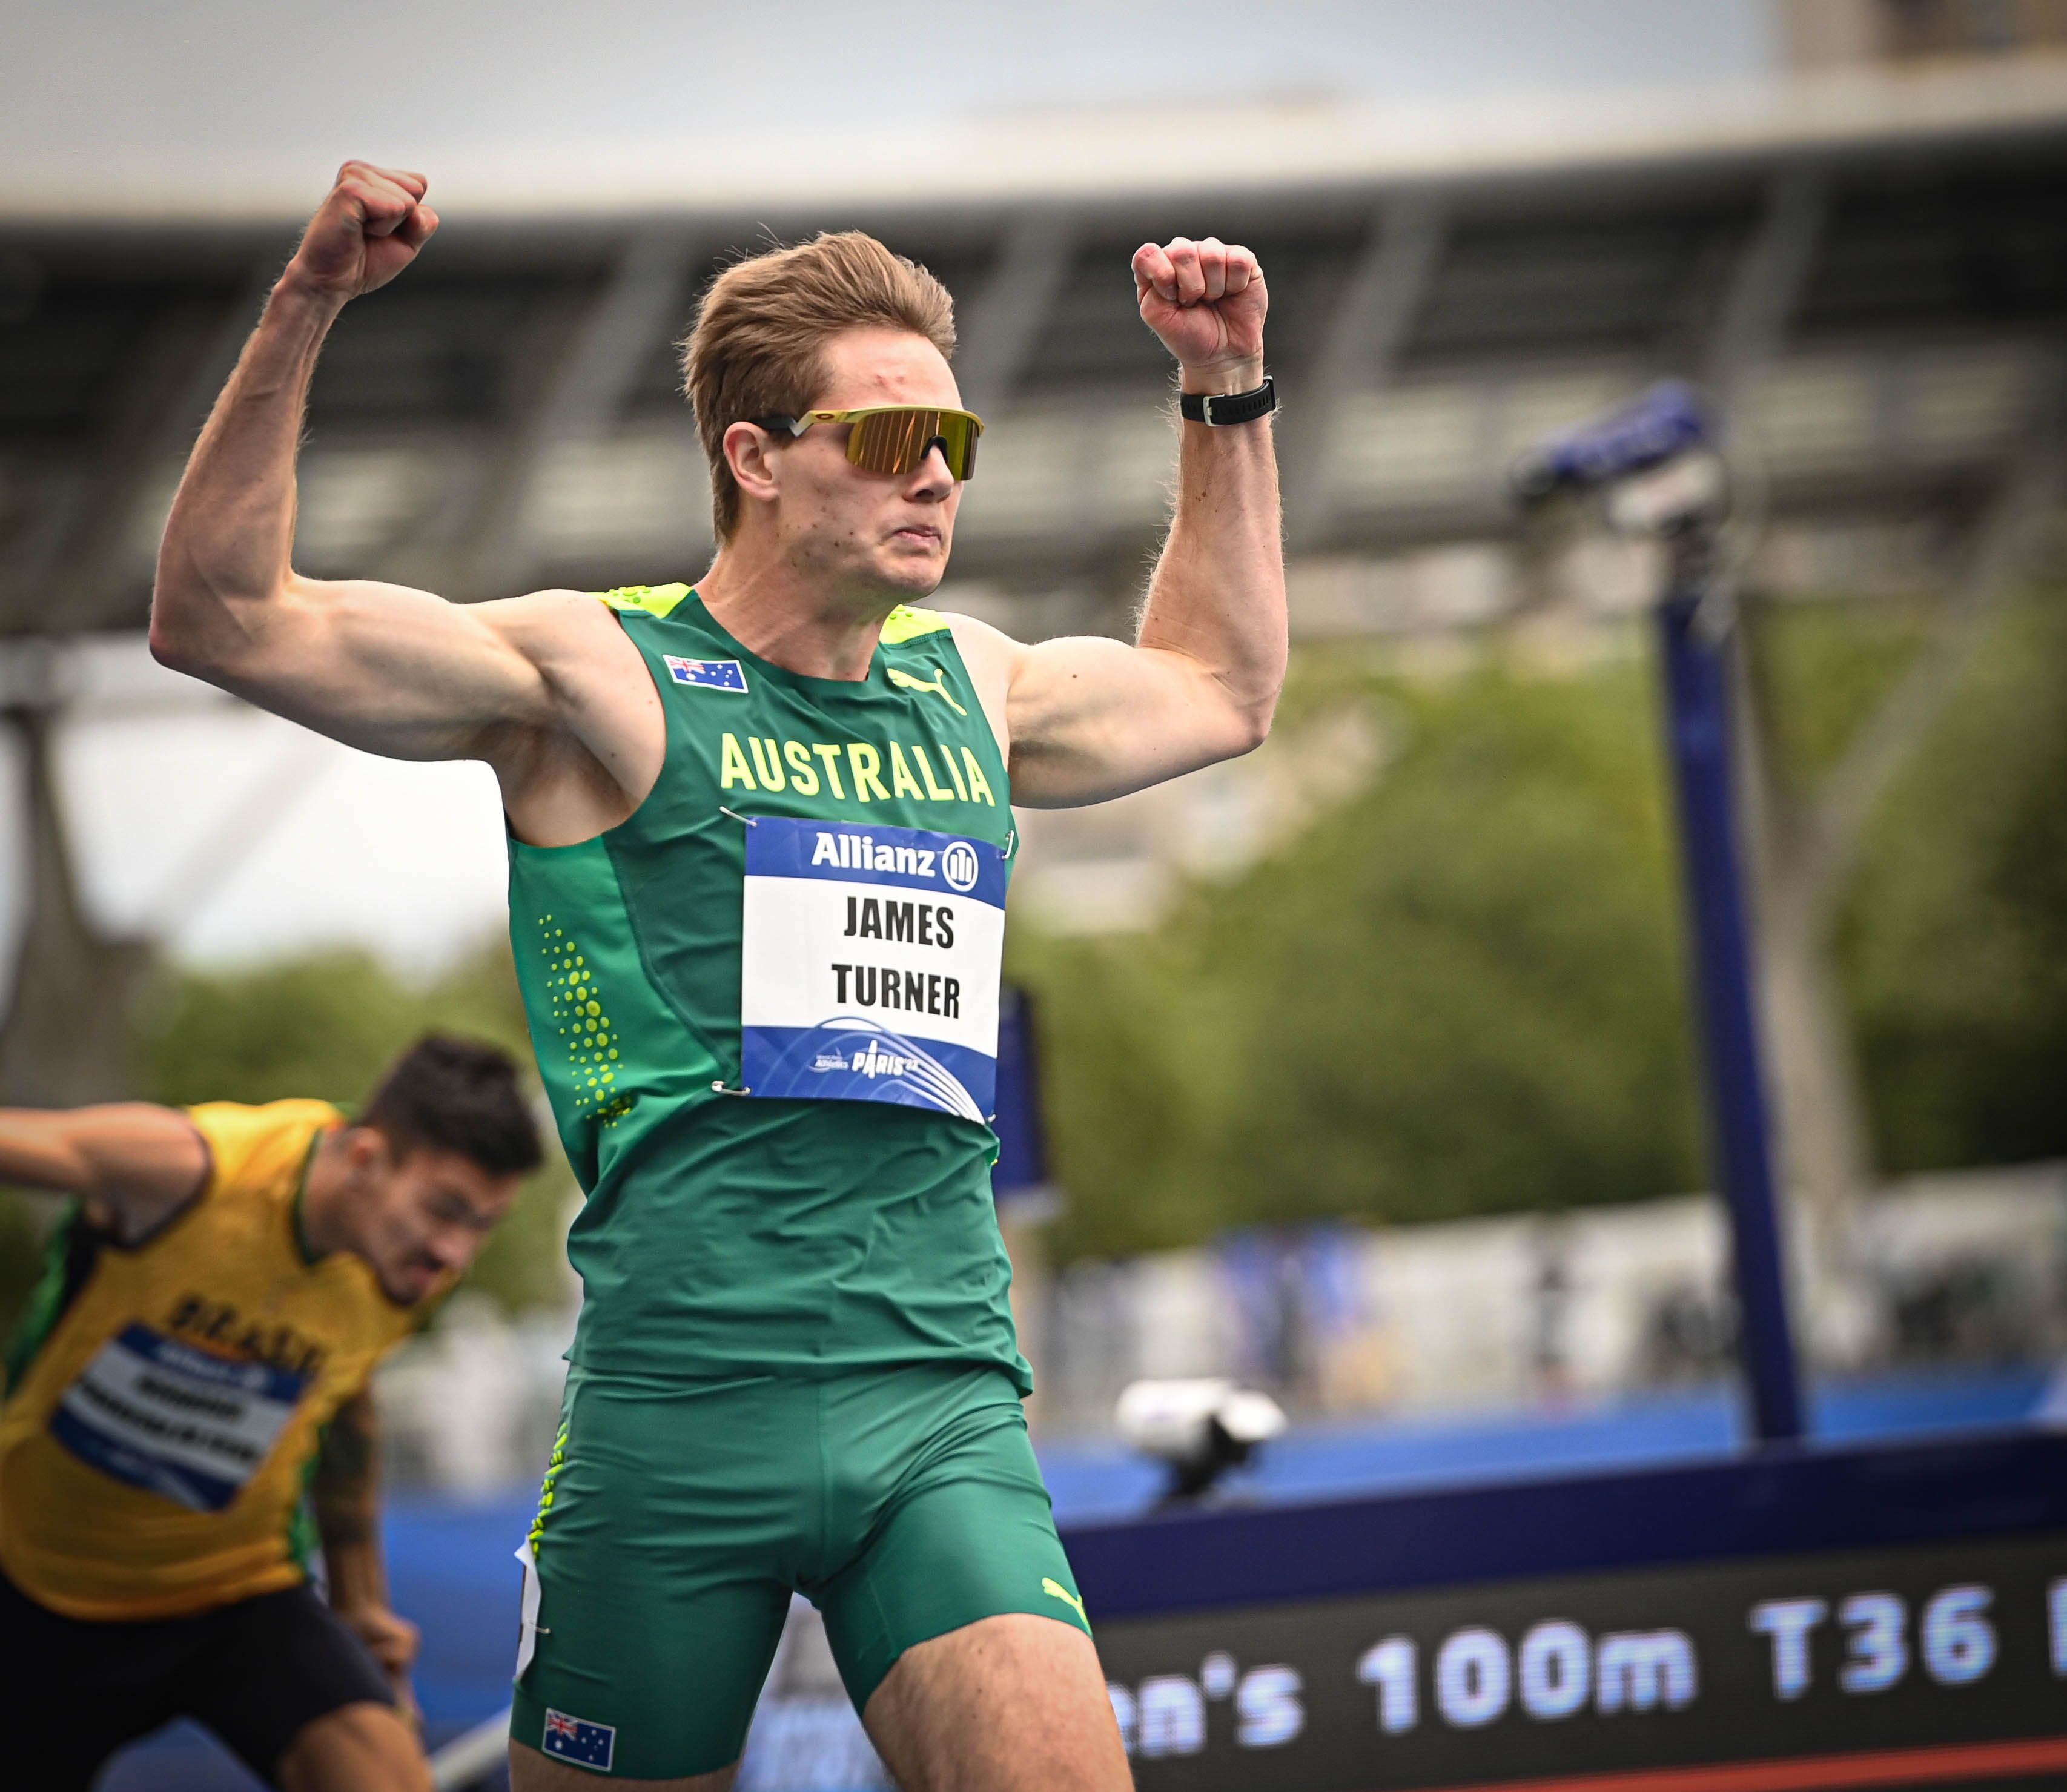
[716,675]
[576,1739]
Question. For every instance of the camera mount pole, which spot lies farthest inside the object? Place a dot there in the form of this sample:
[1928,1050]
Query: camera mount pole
[1654,464]
[1695,624]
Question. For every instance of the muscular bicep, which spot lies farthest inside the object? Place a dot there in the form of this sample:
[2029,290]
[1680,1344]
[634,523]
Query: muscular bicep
[385,668]
[133,1164]
[1090,718]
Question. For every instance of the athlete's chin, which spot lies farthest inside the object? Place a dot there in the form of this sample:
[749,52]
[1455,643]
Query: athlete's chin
[913,569]
[406,1287]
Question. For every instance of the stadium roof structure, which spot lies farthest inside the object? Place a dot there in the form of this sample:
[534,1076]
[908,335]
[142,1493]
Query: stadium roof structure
[1874,284]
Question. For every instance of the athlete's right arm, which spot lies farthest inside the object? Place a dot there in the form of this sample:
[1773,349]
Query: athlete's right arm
[392,670]
[130,1164]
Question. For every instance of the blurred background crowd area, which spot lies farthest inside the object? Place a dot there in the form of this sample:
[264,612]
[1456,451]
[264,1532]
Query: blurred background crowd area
[1366,1059]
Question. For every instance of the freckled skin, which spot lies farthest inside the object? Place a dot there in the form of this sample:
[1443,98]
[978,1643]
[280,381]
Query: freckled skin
[857,543]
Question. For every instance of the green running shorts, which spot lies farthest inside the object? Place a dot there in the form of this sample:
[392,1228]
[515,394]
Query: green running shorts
[677,1517]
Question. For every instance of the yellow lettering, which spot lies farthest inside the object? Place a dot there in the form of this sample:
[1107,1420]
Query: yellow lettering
[770,771]
[865,762]
[830,756]
[799,757]
[901,780]
[979,785]
[732,768]
[954,774]
[926,771]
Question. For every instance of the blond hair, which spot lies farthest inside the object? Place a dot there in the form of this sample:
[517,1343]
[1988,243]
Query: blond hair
[758,346]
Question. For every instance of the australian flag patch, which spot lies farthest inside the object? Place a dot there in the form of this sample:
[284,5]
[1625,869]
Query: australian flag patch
[714,675]
[576,1739]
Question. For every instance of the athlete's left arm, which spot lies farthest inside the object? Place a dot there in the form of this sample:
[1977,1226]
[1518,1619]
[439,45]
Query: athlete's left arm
[1088,718]
[345,1491]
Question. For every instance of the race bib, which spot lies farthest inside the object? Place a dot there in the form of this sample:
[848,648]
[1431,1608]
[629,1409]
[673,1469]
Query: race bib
[870,965]
[175,1421]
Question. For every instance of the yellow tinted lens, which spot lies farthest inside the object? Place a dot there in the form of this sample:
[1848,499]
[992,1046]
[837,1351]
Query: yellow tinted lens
[891,441]
[958,432]
[896,440]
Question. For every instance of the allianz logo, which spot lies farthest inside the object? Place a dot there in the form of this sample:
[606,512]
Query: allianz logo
[957,864]
[873,1062]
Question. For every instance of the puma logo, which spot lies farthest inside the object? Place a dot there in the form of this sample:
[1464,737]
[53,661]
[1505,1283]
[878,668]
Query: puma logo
[1054,1589]
[904,681]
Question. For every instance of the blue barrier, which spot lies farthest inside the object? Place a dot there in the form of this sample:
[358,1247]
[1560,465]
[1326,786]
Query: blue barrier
[1774,1502]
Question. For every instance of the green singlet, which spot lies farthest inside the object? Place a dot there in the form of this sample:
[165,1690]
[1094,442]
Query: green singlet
[724,1234]
[765,1010]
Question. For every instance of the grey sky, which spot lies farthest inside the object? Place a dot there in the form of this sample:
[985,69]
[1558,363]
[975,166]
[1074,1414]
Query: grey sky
[93,90]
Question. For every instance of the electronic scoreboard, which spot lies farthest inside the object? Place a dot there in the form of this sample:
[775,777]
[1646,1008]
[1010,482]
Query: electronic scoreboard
[1793,1619]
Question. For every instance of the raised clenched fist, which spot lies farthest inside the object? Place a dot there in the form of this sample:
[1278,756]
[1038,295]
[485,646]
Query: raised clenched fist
[1207,301]
[365,232]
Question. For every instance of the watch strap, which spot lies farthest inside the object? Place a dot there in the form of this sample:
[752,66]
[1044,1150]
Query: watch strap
[1216,410]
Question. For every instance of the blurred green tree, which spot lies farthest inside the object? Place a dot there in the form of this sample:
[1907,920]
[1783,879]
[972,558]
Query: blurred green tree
[1463,991]
[322,1025]
[1457,993]
[1954,940]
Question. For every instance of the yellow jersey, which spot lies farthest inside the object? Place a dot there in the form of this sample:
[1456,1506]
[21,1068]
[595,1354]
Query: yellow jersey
[167,1396]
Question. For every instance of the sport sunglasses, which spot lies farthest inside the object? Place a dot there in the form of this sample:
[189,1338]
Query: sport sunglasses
[896,438]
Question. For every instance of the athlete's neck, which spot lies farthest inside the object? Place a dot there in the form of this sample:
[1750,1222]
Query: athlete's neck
[324,1213]
[774,609]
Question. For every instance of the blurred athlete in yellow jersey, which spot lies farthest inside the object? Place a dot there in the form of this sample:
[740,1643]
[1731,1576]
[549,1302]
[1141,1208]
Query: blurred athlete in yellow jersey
[196,1355]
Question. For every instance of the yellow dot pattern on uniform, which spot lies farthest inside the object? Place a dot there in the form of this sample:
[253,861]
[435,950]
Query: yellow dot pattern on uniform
[579,1013]
[553,1467]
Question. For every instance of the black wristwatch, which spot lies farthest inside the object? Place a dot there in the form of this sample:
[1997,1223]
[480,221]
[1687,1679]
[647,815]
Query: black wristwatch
[1217,409]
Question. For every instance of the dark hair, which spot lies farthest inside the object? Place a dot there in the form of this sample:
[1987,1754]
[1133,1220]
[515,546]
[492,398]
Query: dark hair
[457,1095]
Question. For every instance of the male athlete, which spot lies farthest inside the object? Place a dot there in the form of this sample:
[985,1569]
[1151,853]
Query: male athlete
[759,842]
[195,1355]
